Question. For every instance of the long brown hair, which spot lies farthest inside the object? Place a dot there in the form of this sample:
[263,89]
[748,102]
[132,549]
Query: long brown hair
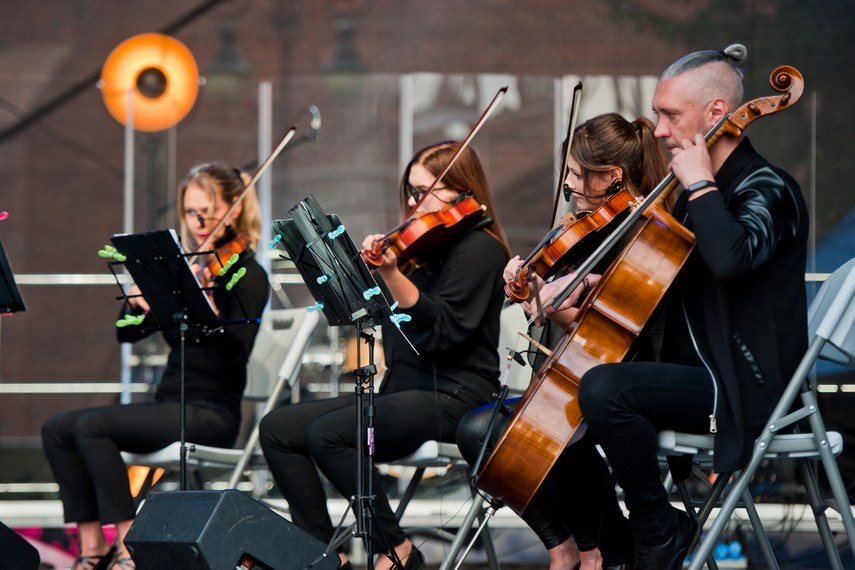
[609,140]
[227,183]
[466,174]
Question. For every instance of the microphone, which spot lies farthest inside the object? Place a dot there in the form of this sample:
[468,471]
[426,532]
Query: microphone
[315,126]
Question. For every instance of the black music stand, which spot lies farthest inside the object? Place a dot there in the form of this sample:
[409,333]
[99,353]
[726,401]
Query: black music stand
[347,293]
[160,269]
[10,298]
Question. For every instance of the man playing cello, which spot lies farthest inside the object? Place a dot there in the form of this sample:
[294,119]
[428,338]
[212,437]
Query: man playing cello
[735,318]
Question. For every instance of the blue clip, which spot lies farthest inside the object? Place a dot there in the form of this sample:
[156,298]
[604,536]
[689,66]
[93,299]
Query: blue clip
[317,307]
[272,243]
[368,293]
[399,318]
[336,232]
[323,279]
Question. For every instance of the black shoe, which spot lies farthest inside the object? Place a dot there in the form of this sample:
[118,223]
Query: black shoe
[94,562]
[346,566]
[670,554]
[415,560]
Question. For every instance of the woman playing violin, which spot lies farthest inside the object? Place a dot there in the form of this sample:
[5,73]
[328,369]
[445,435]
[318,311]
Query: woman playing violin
[607,152]
[82,447]
[453,295]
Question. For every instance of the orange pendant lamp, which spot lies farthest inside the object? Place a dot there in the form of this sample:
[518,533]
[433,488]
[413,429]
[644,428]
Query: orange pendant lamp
[162,75]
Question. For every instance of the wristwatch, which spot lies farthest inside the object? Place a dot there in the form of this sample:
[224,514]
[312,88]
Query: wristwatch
[701,185]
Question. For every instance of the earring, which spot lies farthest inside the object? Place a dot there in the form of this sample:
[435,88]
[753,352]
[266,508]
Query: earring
[615,187]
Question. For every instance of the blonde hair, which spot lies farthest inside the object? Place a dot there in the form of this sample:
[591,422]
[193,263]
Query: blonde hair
[227,183]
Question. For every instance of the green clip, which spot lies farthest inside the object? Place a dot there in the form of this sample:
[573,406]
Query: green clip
[110,252]
[227,265]
[235,278]
[130,320]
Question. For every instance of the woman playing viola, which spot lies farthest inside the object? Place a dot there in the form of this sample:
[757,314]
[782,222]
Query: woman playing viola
[83,446]
[454,297]
[607,153]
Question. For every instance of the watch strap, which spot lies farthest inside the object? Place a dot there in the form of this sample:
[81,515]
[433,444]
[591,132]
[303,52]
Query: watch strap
[701,185]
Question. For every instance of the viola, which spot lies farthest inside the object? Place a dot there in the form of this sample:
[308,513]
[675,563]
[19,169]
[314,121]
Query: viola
[424,233]
[612,316]
[570,243]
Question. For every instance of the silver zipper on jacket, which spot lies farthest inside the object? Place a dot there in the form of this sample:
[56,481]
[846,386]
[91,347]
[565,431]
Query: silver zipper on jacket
[713,425]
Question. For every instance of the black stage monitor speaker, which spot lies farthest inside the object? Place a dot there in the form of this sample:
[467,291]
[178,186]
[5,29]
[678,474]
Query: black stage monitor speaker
[15,552]
[219,530]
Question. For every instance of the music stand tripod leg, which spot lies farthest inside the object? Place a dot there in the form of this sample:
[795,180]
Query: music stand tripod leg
[365,413]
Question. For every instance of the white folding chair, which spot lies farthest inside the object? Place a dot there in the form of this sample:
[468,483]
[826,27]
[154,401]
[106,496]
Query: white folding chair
[274,363]
[831,318]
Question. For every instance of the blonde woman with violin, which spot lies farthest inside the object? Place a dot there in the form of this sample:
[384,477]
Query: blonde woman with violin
[83,447]
[453,295]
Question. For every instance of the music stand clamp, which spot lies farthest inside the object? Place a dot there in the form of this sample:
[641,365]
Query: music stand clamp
[347,294]
[160,269]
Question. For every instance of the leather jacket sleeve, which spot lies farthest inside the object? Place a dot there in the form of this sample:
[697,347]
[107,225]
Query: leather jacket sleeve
[738,233]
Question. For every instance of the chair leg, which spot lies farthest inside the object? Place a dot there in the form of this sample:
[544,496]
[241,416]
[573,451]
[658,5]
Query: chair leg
[487,540]
[812,488]
[409,492]
[476,512]
[759,532]
[703,513]
[832,472]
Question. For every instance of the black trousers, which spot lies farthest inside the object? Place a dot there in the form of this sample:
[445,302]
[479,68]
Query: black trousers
[577,497]
[297,438]
[83,449]
[625,406]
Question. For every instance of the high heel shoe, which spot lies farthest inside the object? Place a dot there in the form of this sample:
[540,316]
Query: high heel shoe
[94,562]
[120,562]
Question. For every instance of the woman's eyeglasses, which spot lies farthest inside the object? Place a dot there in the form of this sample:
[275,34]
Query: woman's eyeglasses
[417,193]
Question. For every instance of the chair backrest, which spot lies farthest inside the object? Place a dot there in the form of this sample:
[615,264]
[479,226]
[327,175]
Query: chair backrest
[832,316]
[278,350]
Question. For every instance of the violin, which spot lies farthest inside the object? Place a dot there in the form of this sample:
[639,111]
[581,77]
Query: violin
[418,235]
[226,247]
[570,242]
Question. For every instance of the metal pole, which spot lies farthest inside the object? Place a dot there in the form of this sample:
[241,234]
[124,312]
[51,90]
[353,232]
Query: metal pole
[265,183]
[128,227]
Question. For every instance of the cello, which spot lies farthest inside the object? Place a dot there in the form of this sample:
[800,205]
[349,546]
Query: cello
[611,318]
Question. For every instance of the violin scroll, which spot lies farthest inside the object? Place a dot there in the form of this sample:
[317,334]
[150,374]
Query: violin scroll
[517,290]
